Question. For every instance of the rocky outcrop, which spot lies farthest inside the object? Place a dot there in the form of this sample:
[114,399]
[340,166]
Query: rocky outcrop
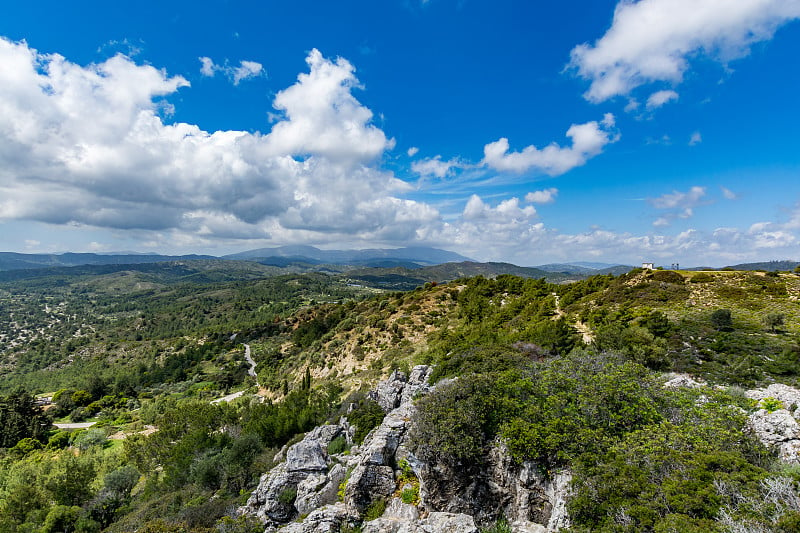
[303,482]
[778,429]
[675,381]
[788,396]
[531,500]
[373,476]
[400,389]
[327,519]
[404,518]
[309,481]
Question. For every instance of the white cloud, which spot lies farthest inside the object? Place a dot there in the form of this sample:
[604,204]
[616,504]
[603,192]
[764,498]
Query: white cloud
[659,98]
[245,71]
[323,117]
[546,196]
[678,204]
[679,200]
[653,40]
[412,151]
[695,139]
[728,194]
[508,211]
[207,68]
[434,166]
[86,146]
[631,106]
[588,140]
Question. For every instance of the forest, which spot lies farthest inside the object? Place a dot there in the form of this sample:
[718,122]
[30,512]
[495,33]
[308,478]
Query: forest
[565,375]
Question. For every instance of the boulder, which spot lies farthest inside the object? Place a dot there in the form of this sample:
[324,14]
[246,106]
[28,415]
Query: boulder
[434,523]
[449,523]
[778,429]
[676,381]
[318,490]
[400,389]
[788,396]
[327,519]
[311,453]
[304,473]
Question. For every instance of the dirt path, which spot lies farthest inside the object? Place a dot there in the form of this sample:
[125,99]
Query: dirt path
[74,425]
[583,329]
[250,372]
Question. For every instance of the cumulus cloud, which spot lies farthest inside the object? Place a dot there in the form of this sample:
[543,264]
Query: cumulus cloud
[508,211]
[246,69]
[207,66]
[659,98]
[86,145]
[546,196]
[323,117]
[588,140]
[654,40]
[412,151]
[435,167]
[677,204]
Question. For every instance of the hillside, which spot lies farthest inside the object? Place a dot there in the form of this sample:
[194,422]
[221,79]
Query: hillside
[568,376]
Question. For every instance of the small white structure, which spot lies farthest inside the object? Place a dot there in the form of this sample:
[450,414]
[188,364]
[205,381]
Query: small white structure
[648,266]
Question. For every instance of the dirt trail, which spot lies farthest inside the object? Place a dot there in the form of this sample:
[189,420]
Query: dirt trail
[583,329]
[250,372]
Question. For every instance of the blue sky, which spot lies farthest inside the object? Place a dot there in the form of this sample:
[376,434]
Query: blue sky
[530,132]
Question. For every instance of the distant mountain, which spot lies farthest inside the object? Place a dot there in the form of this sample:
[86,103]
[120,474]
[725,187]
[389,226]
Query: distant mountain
[310,254]
[567,268]
[594,265]
[16,261]
[583,268]
[767,265]
[195,271]
[407,279]
[303,257]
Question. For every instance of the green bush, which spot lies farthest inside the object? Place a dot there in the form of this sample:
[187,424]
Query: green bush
[337,445]
[367,415]
[410,495]
[770,404]
[288,495]
[501,526]
[375,510]
[667,276]
[455,422]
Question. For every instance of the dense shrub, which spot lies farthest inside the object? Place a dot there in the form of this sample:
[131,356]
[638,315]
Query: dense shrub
[367,415]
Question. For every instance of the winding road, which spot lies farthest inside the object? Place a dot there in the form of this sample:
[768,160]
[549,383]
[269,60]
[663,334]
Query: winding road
[250,372]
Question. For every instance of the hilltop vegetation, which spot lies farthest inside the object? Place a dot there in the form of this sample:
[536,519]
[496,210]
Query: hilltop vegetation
[567,375]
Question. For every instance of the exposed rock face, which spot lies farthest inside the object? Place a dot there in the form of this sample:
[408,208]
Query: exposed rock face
[528,498]
[450,499]
[401,389]
[778,429]
[327,519]
[315,477]
[434,523]
[304,473]
[682,380]
[788,396]
[373,476]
